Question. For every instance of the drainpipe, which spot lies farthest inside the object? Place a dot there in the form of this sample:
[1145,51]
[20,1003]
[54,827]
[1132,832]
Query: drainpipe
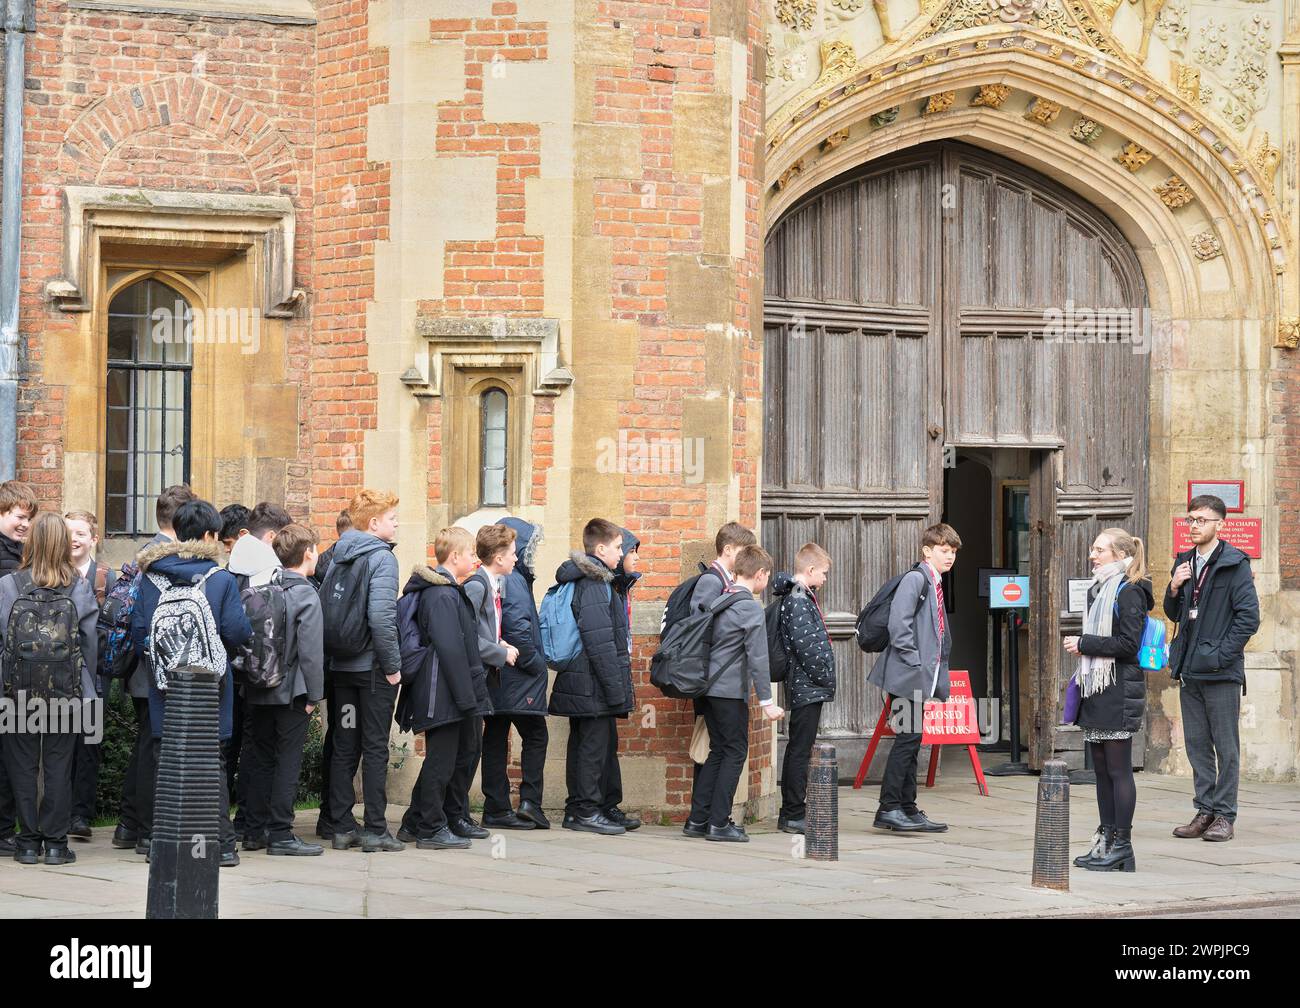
[19,19]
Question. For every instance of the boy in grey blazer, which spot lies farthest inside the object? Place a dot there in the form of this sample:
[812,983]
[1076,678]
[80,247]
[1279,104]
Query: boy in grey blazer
[739,661]
[495,546]
[913,668]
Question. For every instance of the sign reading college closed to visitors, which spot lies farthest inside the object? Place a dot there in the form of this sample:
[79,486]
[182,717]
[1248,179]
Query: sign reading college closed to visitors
[953,721]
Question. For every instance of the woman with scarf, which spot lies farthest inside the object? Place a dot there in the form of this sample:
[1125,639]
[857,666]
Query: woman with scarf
[1112,689]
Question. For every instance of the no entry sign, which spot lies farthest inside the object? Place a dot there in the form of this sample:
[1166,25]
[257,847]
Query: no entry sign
[1008,592]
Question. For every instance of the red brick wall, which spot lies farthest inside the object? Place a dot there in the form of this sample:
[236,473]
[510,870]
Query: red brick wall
[158,102]
[352,214]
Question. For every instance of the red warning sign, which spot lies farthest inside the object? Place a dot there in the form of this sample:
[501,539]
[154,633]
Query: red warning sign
[954,720]
[1011,592]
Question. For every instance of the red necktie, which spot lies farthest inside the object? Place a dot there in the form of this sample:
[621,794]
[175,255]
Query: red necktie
[938,598]
[498,614]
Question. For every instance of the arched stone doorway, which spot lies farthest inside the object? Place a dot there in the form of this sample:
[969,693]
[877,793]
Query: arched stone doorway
[934,305]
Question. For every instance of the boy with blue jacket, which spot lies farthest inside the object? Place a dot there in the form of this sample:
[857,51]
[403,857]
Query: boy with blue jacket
[190,559]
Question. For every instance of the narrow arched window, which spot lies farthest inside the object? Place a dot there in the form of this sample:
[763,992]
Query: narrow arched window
[150,327]
[493,419]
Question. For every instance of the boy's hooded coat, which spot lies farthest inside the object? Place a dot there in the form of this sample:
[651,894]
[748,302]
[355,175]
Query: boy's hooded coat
[599,683]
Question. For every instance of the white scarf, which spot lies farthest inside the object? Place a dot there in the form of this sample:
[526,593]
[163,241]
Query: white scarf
[1095,674]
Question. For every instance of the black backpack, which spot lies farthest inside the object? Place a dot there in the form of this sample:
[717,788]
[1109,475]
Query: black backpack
[680,667]
[778,658]
[261,662]
[678,606]
[344,597]
[42,644]
[873,621]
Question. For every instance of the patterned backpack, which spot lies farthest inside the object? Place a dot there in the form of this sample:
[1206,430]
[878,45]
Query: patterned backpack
[116,659]
[183,632]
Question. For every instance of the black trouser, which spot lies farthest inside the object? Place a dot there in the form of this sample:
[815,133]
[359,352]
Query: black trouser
[49,755]
[427,812]
[585,765]
[361,739]
[85,779]
[611,778]
[468,752]
[272,762]
[800,734]
[898,789]
[496,755]
[236,750]
[8,811]
[225,829]
[326,754]
[136,814]
[715,788]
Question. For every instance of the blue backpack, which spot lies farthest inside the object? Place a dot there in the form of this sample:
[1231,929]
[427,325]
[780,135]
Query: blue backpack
[559,617]
[1153,652]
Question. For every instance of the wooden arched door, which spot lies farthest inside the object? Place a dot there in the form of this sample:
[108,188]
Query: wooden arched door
[920,305]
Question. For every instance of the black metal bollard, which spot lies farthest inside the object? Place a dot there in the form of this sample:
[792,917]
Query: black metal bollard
[1052,828]
[822,829]
[185,855]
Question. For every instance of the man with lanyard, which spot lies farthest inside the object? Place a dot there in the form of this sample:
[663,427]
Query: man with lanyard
[1212,599]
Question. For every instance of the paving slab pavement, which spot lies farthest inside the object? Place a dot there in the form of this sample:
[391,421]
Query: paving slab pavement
[980,867]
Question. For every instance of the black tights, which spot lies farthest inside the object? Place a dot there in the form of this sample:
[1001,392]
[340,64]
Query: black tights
[1116,790]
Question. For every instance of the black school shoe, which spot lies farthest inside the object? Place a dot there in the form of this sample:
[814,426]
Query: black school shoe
[443,839]
[797,826]
[79,828]
[293,847]
[469,829]
[926,825]
[618,816]
[696,831]
[343,841]
[898,821]
[229,858]
[6,846]
[533,813]
[507,820]
[255,841]
[59,854]
[142,845]
[596,823]
[124,839]
[730,833]
[375,843]
[24,854]
[407,835]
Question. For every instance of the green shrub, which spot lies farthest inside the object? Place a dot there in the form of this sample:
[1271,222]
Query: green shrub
[114,752]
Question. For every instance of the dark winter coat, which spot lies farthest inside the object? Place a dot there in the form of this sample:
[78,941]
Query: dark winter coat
[599,683]
[11,554]
[322,567]
[304,648]
[186,563]
[810,677]
[383,657]
[1121,706]
[1212,647]
[457,687]
[521,687]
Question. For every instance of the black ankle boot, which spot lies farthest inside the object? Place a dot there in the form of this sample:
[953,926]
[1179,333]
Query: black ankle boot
[1118,855]
[1100,841]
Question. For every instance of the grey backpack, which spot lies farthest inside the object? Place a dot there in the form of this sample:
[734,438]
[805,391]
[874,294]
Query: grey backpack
[183,631]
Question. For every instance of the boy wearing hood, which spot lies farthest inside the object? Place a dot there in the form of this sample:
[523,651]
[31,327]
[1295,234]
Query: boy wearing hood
[17,509]
[186,562]
[597,687]
[365,683]
[253,562]
[135,816]
[518,695]
[810,679]
[444,702]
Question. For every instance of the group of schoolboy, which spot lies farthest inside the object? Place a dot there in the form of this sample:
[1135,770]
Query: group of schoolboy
[457,654]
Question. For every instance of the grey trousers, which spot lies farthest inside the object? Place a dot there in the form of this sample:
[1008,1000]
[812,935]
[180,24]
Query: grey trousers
[1211,713]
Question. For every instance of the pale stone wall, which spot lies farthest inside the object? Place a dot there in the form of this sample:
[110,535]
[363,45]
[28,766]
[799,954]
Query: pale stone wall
[1178,134]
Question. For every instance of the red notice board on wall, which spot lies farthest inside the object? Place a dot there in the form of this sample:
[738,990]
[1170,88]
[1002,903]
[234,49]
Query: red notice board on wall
[1244,533]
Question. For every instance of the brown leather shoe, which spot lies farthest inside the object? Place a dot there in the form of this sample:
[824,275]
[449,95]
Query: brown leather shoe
[1219,831]
[1195,828]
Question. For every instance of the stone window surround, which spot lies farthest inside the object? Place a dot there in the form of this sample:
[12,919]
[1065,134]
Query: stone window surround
[214,219]
[483,341]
